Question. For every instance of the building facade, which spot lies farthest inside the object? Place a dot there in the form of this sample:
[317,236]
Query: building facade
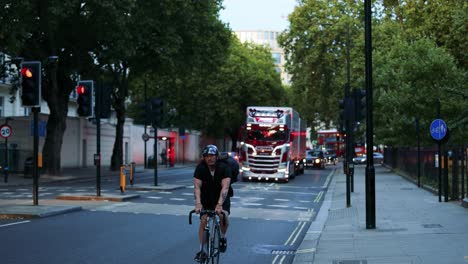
[270,39]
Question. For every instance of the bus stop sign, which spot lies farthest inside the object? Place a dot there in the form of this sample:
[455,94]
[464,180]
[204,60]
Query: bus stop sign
[438,129]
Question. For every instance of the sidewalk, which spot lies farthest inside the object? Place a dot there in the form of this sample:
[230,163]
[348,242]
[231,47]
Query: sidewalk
[411,225]
[26,209]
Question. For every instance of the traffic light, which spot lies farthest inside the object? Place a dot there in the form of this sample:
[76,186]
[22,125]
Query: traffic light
[359,96]
[157,111]
[347,105]
[31,83]
[144,112]
[85,98]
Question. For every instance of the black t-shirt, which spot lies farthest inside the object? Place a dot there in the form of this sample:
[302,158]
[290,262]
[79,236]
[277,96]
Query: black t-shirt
[211,185]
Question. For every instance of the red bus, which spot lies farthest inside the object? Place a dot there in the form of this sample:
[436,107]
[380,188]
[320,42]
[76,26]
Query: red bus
[331,139]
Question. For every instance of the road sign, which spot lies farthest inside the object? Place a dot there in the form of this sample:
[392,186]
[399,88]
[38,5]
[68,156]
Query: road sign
[438,129]
[145,137]
[5,131]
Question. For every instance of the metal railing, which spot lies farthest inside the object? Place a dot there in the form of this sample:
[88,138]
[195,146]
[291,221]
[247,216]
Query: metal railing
[454,168]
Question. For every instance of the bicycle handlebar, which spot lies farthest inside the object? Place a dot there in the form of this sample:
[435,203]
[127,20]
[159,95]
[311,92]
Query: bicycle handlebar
[206,212]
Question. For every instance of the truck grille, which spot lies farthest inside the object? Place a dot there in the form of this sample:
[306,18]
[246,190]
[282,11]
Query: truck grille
[264,163]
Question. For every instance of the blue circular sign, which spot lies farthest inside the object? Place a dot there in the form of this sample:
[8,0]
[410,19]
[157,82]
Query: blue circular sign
[438,129]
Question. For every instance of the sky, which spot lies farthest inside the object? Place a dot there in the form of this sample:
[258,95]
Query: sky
[257,14]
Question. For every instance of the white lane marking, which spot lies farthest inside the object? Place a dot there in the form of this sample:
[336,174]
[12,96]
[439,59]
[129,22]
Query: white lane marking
[154,197]
[177,199]
[165,192]
[301,208]
[17,223]
[253,204]
[282,200]
[278,205]
[187,194]
[302,201]
[305,250]
[142,191]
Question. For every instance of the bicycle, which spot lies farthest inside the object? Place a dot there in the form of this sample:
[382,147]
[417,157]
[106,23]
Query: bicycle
[211,235]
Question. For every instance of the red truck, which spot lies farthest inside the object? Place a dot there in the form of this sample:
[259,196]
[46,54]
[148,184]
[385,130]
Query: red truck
[273,144]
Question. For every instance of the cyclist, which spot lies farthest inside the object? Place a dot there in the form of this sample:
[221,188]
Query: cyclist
[211,187]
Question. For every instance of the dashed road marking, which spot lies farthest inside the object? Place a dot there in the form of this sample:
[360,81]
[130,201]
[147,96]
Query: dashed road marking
[177,199]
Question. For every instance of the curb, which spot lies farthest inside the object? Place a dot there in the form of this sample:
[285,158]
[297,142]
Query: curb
[36,211]
[92,197]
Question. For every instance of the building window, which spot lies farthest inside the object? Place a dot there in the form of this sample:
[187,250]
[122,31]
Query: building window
[277,57]
[27,111]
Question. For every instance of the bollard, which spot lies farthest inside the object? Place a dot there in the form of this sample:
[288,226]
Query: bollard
[132,172]
[122,178]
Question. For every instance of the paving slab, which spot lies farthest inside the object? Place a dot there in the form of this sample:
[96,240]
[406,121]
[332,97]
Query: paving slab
[94,197]
[35,211]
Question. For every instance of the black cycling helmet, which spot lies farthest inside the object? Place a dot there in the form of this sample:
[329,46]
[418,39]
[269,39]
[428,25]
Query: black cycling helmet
[210,149]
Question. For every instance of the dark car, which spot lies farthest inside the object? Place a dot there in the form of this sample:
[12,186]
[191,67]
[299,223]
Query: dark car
[330,155]
[316,159]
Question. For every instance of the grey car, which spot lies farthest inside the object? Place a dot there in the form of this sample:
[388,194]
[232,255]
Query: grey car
[378,158]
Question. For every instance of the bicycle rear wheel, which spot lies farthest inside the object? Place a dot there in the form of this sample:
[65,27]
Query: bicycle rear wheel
[214,242]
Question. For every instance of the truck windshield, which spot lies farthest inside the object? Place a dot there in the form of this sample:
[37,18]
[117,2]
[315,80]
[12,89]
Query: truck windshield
[267,135]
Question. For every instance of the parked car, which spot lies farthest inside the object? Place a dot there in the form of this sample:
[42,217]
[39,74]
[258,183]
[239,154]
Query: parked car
[316,159]
[330,155]
[378,158]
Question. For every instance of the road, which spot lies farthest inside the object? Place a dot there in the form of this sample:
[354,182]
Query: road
[268,222]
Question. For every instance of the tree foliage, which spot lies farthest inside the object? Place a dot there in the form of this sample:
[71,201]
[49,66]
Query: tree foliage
[419,50]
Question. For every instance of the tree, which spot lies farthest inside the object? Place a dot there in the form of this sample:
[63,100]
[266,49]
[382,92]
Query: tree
[112,41]
[315,47]
[36,30]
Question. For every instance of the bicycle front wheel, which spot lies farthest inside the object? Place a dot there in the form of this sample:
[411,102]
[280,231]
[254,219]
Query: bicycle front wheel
[206,247]
[214,242]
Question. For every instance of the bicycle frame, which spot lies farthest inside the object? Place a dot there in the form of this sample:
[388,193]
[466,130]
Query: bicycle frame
[211,234]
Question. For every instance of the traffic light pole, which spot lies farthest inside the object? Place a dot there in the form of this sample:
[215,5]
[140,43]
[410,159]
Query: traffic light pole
[155,153]
[146,123]
[98,138]
[35,111]
[370,170]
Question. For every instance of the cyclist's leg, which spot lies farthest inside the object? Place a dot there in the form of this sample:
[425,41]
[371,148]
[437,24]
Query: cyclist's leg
[201,229]
[227,210]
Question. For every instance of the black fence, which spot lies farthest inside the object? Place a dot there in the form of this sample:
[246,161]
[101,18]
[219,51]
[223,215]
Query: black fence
[454,167]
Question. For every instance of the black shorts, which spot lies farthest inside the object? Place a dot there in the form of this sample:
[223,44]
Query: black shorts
[226,206]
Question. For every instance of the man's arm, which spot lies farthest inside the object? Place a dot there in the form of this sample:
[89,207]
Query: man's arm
[197,184]
[224,190]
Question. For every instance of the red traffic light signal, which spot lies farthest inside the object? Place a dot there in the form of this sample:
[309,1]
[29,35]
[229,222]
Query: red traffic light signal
[80,90]
[31,83]
[26,73]
[84,89]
